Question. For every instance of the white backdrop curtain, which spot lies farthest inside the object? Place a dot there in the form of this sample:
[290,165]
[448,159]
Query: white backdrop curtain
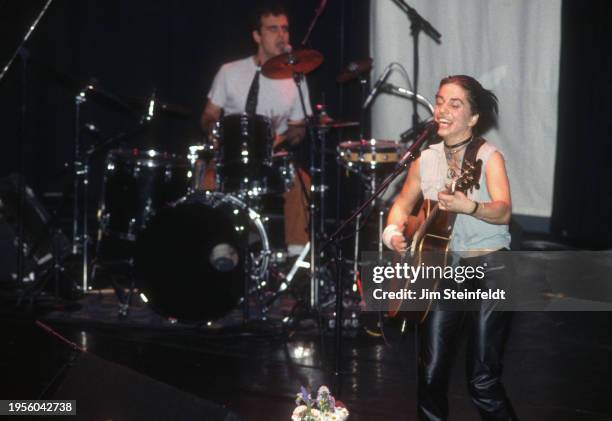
[511,47]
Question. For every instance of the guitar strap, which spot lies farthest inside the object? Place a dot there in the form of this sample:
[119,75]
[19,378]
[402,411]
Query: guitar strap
[468,158]
[470,152]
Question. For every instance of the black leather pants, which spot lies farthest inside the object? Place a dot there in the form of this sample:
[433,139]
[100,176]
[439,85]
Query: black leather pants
[439,339]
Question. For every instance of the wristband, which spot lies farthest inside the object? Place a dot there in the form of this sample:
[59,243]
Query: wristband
[390,232]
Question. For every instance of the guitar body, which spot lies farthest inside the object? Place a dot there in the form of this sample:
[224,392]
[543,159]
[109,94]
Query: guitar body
[430,230]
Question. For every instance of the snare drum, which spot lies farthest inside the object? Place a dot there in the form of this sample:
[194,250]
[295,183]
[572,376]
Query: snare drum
[245,154]
[369,156]
[137,184]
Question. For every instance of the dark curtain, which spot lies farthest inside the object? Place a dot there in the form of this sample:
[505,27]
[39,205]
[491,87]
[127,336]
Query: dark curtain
[582,206]
[134,49]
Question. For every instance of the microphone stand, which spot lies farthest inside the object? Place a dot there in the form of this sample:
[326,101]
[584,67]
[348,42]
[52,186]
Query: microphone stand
[314,286]
[363,82]
[24,54]
[418,24]
[410,155]
[318,13]
[405,93]
[31,29]
[310,197]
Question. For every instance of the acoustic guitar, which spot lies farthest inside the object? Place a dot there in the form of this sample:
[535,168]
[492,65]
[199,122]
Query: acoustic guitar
[430,230]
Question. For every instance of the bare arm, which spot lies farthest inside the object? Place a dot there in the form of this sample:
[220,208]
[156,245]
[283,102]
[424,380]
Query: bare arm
[499,209]
[211,114]
[295,134]
[292,137]
[404,203]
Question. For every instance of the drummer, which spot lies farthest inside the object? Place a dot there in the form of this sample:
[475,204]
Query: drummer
[239,87]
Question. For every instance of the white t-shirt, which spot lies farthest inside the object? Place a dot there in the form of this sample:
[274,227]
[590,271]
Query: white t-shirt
[278,98]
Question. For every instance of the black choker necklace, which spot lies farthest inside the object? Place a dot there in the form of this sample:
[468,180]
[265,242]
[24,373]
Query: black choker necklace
[460,144]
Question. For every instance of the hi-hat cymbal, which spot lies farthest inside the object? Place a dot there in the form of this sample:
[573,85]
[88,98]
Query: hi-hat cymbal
[285,65]
[354,69]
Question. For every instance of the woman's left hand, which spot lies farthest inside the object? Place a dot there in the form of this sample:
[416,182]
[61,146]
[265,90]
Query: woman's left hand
[457,202]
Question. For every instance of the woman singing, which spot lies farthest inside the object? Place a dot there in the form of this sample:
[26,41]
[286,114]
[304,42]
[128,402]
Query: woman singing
[464,110]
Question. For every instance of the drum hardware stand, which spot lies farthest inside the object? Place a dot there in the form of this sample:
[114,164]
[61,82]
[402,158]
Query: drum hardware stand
[22,51]
[363,82]
[125,301]
[80,210]
[410,155]
[322,136]
[314,287]
[247,277]
[299,263]
[287,279]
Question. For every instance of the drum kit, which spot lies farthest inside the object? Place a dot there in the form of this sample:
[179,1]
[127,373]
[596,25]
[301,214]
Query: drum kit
[187,239]
[198,252]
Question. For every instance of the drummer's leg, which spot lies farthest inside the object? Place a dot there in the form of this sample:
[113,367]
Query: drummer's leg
[296,212]
[208,180]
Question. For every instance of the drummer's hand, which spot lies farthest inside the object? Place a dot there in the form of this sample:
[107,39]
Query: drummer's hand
[214,142]
[398,243]
[210,138]
[295,134]
[278,140]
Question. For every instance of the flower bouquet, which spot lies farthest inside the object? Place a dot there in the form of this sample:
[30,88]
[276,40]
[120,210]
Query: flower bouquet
[324,408]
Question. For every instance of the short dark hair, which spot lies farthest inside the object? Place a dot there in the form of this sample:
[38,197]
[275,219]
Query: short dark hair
[265,8]
[482,101]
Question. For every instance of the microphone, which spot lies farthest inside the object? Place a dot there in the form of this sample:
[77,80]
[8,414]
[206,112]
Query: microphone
[286,48]
[412,132]
[430,129]
[381,79]
[321,7]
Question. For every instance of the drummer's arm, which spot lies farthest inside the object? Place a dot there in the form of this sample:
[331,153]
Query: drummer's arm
[211,114]
[295,133]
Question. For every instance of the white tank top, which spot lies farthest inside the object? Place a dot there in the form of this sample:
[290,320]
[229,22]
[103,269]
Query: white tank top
[469,233]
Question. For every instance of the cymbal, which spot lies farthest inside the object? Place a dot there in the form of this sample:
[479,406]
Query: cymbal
[285,65]
[327,124]
[354,69]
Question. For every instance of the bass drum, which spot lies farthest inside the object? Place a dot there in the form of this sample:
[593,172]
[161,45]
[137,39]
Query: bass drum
[190,259]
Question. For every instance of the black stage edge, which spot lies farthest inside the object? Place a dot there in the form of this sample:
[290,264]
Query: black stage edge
[555,369]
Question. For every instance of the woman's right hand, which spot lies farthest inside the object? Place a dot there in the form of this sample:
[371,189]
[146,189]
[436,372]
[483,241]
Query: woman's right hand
[398,243]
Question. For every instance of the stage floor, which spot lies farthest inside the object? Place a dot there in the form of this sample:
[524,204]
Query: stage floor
[557,366]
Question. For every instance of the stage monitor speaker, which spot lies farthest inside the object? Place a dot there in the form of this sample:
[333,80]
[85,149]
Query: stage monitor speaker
[107,391]
[41,240]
